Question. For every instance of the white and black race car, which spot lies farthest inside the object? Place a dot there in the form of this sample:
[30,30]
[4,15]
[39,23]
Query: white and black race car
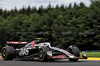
[42,51]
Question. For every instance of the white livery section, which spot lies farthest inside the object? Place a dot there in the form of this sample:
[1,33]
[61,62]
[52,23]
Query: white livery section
[63,51]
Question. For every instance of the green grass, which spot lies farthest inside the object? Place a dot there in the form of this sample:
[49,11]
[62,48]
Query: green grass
[92,54]
[0,54]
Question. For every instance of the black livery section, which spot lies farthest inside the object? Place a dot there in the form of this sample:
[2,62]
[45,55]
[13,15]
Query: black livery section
[41,50]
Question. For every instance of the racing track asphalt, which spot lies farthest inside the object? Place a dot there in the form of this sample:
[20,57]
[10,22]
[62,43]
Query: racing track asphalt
[49,63]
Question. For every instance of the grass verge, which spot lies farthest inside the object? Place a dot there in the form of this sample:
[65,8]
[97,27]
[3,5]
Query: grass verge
[0,54]
[92,54]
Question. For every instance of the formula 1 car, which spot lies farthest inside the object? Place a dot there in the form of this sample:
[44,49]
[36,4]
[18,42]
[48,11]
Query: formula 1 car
[42,51]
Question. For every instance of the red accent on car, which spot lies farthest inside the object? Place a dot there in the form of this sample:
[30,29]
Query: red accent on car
[58,56]
[10,42]
[33,42]
[16,42]
[23,42]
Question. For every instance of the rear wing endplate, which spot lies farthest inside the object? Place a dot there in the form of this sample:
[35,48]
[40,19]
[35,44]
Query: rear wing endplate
[16,42]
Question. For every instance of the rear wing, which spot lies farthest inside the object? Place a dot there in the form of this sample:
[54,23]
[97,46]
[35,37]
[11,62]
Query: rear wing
[16,42]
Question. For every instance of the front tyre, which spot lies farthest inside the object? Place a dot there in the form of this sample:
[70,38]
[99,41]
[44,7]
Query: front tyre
[75,51]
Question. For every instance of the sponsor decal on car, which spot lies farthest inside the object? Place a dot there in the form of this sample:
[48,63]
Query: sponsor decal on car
[23,52]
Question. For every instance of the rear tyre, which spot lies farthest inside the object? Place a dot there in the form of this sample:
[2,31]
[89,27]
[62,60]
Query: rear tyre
[43,54]
[8,53]
[75,51]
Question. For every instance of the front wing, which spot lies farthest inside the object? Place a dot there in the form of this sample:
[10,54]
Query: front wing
[64,54]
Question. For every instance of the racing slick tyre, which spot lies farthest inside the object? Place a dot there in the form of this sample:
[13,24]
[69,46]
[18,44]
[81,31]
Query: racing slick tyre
[8,53]
[75,51]
[43,54]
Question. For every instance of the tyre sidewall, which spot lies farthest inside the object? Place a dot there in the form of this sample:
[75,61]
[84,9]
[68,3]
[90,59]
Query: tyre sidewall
[44,56]
[10,51]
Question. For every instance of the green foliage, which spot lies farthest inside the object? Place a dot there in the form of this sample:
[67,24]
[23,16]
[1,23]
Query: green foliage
[0,54]
[58,27]
[92,54]
[73,25]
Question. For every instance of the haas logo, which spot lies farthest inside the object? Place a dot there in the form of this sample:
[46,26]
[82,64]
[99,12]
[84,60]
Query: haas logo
[23,52]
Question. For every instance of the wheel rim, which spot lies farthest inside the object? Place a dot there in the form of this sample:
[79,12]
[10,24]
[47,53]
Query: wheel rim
[40,54]
[4,53]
